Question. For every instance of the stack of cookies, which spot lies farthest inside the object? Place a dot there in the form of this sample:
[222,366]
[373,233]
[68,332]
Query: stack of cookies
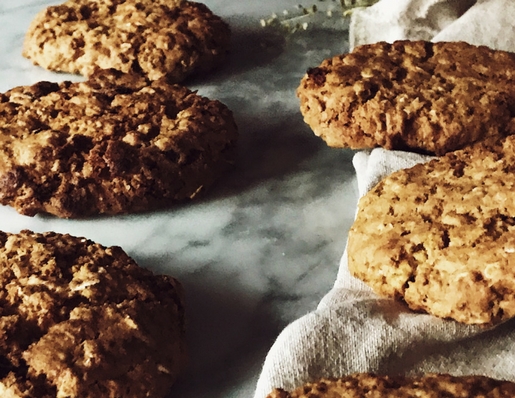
[80,319]
[439,236]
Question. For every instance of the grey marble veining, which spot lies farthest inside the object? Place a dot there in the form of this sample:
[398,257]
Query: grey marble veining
[263,246]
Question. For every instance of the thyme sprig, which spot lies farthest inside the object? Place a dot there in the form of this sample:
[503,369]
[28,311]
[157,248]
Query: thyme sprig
[303,17]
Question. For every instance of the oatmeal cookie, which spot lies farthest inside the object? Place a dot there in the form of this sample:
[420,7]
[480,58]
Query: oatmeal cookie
[441,235]
[429,386]
[160,38]
[116,143]
[411,95]
[82,320]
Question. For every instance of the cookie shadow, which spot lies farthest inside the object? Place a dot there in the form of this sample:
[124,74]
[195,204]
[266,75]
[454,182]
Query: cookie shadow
[229,331]
[251,47]
[272,152]
[259,85]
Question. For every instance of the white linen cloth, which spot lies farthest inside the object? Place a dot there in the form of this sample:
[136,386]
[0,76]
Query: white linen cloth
[354,330]
[390,20]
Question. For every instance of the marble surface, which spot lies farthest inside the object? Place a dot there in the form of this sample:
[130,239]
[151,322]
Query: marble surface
[263,246]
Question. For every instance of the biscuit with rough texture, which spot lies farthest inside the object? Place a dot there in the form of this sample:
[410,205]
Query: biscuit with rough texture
[441,235]
[81,320]
[411,95]
[116,143]
[160,38]
[429,386]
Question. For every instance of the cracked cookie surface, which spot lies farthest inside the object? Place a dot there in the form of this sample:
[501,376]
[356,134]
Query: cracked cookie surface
[429,386]
[159,38]
[82,320]
[441,235]
[411,95]
[116,143]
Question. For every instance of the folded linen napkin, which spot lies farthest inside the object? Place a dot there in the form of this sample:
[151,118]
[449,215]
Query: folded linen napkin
[390,20]
[354,330]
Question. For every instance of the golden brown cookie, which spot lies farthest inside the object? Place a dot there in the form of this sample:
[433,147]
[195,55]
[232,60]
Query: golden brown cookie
[114,144]
[411,95]
[82,320]
[441,235]
[160,38]
[429,386]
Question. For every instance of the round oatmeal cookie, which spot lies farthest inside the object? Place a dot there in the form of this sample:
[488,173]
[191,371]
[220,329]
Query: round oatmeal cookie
[441,235]
[116,143]
[160,38]
[429,386]
[411,95]
[82,320]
